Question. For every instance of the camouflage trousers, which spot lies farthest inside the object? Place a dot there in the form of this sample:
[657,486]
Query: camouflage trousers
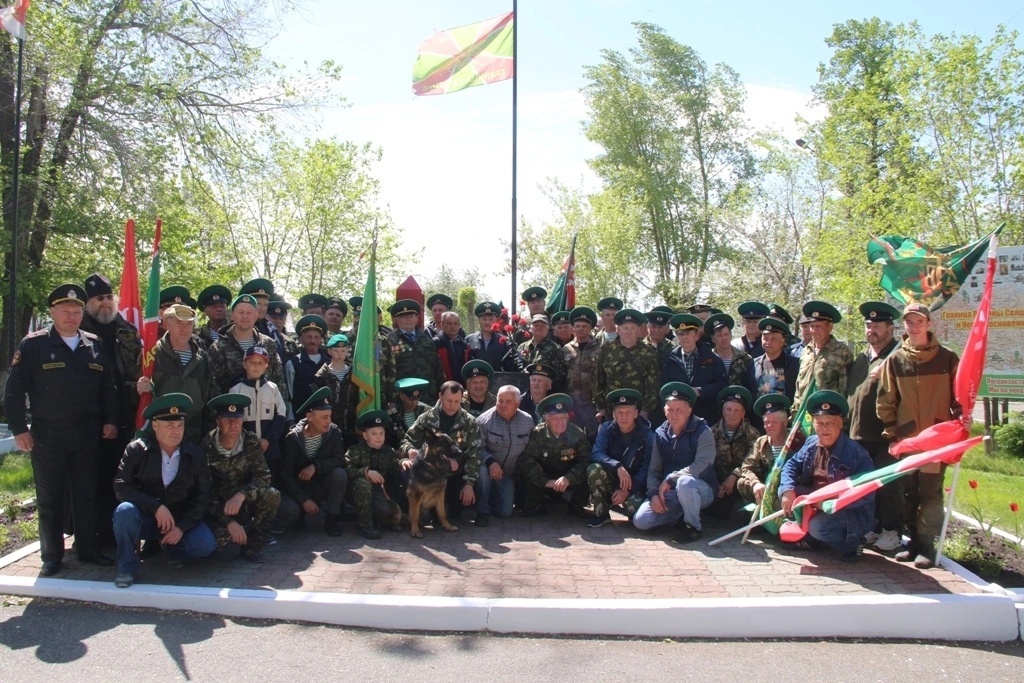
[373,507]
[601,488]
[535,497]
[256,516]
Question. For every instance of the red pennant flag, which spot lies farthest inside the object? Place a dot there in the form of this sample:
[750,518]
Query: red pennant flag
[13,18]
[150,325]
[131,305]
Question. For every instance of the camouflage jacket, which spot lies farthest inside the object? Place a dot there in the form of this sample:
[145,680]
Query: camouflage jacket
[828,368]
[245,471]
[758,463]
[401,358]
[730,453]
[739,368]
[344,398]
[549,353]
[398,426]
[205,335]
[127,357]
[664,347]
[549,457]
[360,458]
[621,368]
[489,402]
[226,362]
[465,433]
[581,369]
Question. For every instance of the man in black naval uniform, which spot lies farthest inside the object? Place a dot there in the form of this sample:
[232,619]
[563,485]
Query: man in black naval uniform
[70,384]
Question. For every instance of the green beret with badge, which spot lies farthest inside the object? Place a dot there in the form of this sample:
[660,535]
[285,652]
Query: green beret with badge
[753,310]
[821,311]
[678,391]
[735,392]
[771,324]
[625,397]
[717,321]
[878,312]
[411,386]
[245,299]
[772,403]
[630,315]
[259,287]
[477,368]
[777,311]
[68,292]
[277,307]
[317,401]
[176,294]
[373,418]
[487,308]
[442,299]
[555,403]
[168,408]
[827,403]
[312,300]
[562,317]
[610,302]
[311,322]
[404,307]
[214,294]
[583,313]
[685,321]
[229,405]
[338,340]
[535,293]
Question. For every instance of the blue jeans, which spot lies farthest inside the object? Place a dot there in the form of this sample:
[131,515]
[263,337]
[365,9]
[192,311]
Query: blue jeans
[692,496]
[842,530]
[132,525]
[494,496]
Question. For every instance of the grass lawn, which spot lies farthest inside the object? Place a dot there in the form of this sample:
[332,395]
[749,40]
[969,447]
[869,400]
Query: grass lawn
[1000,482]
[16,486]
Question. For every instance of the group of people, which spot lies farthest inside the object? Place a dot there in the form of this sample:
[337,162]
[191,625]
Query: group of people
[661,416]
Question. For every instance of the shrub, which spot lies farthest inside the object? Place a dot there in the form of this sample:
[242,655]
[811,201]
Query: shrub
[1010,437]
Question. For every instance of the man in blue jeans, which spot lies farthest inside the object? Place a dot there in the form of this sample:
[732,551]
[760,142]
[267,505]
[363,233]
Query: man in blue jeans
[164,485]
[504,432]
[681,480]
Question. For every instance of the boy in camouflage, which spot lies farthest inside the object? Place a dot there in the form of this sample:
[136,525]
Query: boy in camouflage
[369,464]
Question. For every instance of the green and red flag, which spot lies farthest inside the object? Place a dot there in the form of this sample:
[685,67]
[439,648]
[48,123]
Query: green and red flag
[366,361]
[13,18]
[770,498]
[131,305]
[913,272]
[563,294]
[150,331]
[465,56]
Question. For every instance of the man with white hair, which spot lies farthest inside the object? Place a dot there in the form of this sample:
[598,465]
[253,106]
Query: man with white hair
[504,432]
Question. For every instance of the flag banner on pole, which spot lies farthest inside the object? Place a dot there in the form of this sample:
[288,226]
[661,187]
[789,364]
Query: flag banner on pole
[150,325]
[13,18]
[465,56]
[366,361]
[131,306]
[563,294]
[913,272]
[769,500]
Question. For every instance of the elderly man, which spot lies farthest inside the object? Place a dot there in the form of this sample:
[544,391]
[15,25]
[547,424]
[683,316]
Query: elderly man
[826,361]
[476,376]
[617,474]
[228,352]
[581,356]
[213,302]
[696,366]
[752,312]
[504,432]
[734,437]
[718,328]
[409,352]
[775,370]
[626,363]
[164,487]
[244,504]
[829,456]
[452,349]
[541,349]
[541,378]
[64,374]
[555,459]
[681,479]
[300,369]
[773,409]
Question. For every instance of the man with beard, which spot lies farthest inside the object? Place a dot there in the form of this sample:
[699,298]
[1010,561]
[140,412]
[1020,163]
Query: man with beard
[122,348]
[213,302]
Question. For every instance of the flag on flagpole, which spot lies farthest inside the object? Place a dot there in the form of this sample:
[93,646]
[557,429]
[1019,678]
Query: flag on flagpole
[150,325]
[465,56]
[13,18]
[131,306]
[563,294]
[366,361]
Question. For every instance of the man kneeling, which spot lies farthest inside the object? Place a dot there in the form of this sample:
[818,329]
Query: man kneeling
[555,459]
[617,474]
[164,485]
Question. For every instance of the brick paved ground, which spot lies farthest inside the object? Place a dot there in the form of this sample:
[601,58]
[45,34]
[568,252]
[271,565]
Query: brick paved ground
[548,557]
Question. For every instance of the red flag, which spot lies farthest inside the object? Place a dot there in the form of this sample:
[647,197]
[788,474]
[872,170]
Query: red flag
[131,305]
[151,325]
[972,364]
[13,18]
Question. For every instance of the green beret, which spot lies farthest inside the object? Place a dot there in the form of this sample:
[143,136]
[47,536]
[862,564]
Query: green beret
[307,301]
[827,403]
[477,368]
[411,386]
[175,294]
[754,310]
[699,308]
[440,299]
[214,294]
[230,405]
[337,340]
[555,403]
[658,317]
[821,311]
[685,321]
[771,403]
[168,408]
[68,292]
[258,287]
[245,299]
[735,392]
[318,401]
[625,397]
[311,322]
[777,311]
[560,317]
[404,307]
[611,302]
[540,369]
[717,321]
[373,418]
[876,311]
[771,324]
[583,313]
[278,307]
[335,302]
[678,391]
[630,315]
[534,293]
[487,308]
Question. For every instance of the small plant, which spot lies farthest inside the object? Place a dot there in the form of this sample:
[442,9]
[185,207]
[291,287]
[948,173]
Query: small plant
[976,509]
[959,548]
[1010,436]
[28,529]
[1015,509]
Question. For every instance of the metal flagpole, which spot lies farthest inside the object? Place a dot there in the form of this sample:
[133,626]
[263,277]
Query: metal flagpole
[513,303]
[12,295]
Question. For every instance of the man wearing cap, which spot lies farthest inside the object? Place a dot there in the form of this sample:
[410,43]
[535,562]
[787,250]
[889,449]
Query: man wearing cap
[313,472]
[452,349]
[752,312]
[163,485]
[244,504]
[409,352]
[122,348]
[718,328]
[696,366]
[796,347]
[228,352]
[175,294]
[372,464]
[541,349]
[266,415]
[448,417]
[608,307]
[865,427]
[555,459]
[491,343]
[337,377]
[181,366]
[277,313]
[262,290]
[438,305]
[681,479]
[658,330]
[476,377]
[826,361]
[625,363]
[312,304]
[64,374]
[535,299]
[826,457]
[581,356]
[775,370]
[213,302]
[734,437]
[773,409]
[301,368]
[504,433]
[404,413]
[915,391]
[335,310]
[541,379]
[561,331]
[617,473]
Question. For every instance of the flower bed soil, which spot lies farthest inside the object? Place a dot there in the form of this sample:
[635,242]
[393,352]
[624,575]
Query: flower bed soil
[1000,562]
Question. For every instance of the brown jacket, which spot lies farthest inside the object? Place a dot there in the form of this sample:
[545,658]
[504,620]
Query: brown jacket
[915,390]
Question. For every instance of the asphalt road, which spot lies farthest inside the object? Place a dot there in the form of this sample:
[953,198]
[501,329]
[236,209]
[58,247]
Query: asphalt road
[66,641]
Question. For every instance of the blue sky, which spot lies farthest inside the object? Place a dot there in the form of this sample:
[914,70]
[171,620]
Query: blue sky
[446,168]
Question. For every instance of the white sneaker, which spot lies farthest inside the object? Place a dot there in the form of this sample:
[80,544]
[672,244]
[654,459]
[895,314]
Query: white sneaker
[888,541]
[870,538]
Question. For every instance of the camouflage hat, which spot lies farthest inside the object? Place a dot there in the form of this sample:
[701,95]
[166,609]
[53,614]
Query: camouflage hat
[318,401]
[259,287]
[168,408]
[678,391]
[555,403]
[440,299]
[179,312]
[534,293]
[214,294]
[827,403]
[878,312]
[822,312]
[583,313]
[311,322]
[685,321]
[373,418]
[734,392]
[630,315]
[477,368]
[610,302]
[625,397]
[717,321]
[771,403]
[230,405]
[487,308]
[753,310]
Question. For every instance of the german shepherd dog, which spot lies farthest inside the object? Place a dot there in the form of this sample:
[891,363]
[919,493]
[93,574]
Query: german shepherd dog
[428,479]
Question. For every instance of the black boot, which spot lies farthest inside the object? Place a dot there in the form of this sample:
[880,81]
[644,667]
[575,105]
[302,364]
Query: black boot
[332,525]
